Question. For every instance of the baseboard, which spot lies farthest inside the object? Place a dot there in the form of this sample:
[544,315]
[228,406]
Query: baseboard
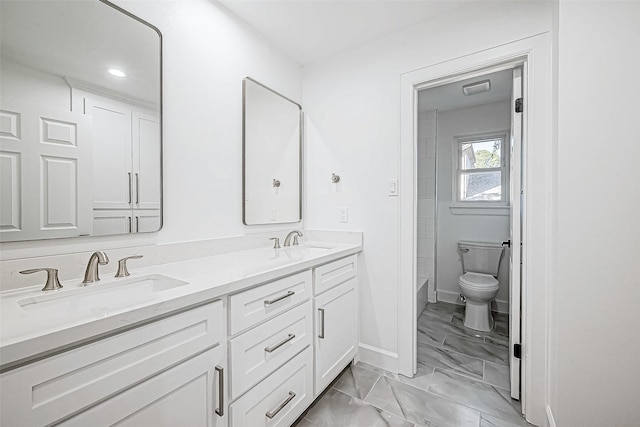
[454,298]
[550,419]
[378,357]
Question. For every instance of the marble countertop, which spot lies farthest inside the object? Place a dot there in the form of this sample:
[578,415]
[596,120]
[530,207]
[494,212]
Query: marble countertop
[29,335]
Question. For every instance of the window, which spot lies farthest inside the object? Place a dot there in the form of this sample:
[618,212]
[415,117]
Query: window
[482,177]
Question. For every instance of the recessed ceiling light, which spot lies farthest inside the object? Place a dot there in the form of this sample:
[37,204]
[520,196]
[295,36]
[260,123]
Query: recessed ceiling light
[477,87]
[116,72]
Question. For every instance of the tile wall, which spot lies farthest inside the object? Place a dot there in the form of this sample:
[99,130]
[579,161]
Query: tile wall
[426,202]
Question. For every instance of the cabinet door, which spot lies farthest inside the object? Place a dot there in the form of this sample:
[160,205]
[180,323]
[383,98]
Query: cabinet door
[112,154]
[184,395]
[112,221]
[146,220]
[336,332]
[146,161]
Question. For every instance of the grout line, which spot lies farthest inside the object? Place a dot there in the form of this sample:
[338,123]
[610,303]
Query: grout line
[374,386]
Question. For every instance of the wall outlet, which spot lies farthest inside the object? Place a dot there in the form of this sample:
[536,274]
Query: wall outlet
[344,214]
[274,214]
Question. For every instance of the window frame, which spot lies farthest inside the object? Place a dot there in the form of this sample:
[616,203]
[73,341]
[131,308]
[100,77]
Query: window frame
[504,169]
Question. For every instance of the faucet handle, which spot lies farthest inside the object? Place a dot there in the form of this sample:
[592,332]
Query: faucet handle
[295,238]
[122,266]
[52,278]
[276,243]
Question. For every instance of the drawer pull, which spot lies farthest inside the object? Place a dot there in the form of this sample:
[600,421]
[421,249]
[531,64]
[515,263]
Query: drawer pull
[321,334]
[275,300]
[280,344]
[220,410]
[281,406]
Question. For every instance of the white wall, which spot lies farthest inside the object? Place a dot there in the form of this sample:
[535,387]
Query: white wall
[352,108]
[453,228]
[595,299]
[25,84]
[206,54]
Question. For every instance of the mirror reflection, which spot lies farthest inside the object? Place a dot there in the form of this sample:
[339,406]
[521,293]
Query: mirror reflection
[80,121]
[271,156]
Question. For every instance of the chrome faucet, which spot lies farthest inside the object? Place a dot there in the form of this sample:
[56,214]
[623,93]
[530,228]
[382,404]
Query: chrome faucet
[91,274]
[293,235]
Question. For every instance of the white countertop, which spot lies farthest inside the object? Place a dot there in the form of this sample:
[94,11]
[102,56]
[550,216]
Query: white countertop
[28,335]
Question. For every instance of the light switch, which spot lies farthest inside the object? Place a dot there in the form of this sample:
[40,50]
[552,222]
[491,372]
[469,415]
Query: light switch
[274,214]
[344,214]
[393,187]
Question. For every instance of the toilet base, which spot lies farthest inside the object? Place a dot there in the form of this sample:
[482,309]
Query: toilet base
[478,315]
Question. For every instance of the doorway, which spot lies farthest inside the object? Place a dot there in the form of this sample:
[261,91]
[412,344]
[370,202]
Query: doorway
[536,215]
[468,189]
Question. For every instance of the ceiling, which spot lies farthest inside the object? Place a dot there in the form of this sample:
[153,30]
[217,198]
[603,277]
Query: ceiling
[450,96]
[309,30]
[80,40]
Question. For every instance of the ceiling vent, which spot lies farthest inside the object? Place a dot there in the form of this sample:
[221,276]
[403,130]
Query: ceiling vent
[477,87]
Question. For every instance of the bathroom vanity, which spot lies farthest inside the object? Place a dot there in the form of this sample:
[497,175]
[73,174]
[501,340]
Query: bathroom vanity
[239,339]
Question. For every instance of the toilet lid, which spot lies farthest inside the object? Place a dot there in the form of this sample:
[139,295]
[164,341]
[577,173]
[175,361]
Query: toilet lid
[479,280]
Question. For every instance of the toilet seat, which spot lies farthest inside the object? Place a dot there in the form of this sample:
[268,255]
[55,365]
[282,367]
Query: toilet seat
[479,281]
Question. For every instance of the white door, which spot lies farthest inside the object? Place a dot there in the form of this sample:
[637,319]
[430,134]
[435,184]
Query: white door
[112,175]
[516,226]
[45,167]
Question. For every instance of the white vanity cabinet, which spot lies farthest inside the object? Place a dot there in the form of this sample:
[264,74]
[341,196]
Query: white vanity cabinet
[336,311]
[256,356]
[166,373]
[271,375]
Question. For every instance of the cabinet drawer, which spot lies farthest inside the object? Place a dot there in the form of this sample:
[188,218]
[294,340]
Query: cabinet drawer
[280,398]
[260,351]
[46,391]
[330,275]
[251,307]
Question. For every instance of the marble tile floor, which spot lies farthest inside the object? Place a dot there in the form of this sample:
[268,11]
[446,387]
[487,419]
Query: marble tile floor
[462,380]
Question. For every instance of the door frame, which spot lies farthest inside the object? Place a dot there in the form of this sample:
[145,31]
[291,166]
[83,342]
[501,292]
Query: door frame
[538,185]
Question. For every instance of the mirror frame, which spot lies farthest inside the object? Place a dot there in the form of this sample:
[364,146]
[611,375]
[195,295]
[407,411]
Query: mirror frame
[244,152]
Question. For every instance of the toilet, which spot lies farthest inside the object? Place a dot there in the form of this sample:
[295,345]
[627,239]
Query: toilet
[478,283]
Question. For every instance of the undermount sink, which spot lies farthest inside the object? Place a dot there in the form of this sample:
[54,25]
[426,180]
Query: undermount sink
[308,249]
[101,299]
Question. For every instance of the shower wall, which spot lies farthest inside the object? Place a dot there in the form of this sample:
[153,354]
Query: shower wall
[426,211]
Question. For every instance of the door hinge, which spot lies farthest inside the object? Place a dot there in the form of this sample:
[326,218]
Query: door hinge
[517,351]
[519,105]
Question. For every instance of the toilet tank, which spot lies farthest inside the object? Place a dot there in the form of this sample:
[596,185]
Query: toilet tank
[480,257]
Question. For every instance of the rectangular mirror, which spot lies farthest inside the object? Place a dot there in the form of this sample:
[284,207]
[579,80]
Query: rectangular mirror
[80,121]
[272,149]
